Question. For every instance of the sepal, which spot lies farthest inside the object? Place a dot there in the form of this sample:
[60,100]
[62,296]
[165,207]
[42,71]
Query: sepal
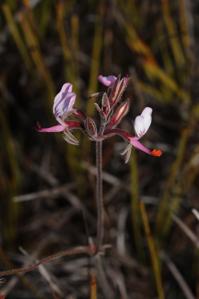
[90,127]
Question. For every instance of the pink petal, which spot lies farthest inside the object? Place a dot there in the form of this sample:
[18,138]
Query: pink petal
[53,129]
[135,142]
[71,124]
[107,80]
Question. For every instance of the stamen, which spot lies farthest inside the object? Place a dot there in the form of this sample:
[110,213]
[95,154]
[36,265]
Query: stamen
[156,153]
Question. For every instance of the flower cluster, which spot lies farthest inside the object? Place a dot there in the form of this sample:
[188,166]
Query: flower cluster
[111,110]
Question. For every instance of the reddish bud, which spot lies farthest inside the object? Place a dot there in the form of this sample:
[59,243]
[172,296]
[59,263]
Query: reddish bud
[105,106]
[121,111]
[118,90]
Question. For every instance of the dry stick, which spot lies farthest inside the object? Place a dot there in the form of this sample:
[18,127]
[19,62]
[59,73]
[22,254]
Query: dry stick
[56,291]
[119,281]
[49,193]
[188,232]
[72,251]
[117,183]
[153,252]
[102,279]
[7,288]
[87,250]
[53,181]
[196,213]
[107,177]
[178,277]
[28,284]
[93,285]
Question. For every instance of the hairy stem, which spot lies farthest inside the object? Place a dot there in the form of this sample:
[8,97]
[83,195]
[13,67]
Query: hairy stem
[99,196]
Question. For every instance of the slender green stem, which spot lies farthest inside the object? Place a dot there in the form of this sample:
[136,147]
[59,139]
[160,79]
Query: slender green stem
[99,196]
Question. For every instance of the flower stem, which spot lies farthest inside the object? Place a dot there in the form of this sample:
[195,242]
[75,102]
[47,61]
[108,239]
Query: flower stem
[99,196]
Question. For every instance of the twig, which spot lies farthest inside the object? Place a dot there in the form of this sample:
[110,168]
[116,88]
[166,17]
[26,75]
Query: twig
[117,183]
[72,251]
[42,172]
[196,213]
[11,284]
[102,279]
[178,276]
[44,193]
[93,285]
[109,178]
[153,252]
[186,230]
[66,193]
[7,288]
[47,276]
[119,282]
[87,250]
[120,241]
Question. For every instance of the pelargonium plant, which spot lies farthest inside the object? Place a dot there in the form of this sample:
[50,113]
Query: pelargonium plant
[112,109]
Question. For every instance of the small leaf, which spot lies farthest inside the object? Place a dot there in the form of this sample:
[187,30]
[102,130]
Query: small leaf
[98,108]
[70,138]
[90,127]
[127,153]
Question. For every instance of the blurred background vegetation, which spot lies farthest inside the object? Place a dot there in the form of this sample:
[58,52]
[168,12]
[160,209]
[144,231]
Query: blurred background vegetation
[149,202]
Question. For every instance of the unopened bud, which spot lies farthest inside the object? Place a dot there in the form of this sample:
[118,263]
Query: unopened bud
[105,106]
[118,90]
[120,112]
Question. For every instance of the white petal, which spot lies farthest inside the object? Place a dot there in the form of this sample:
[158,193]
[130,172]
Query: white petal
[63,102]
[66,88]
[142,122]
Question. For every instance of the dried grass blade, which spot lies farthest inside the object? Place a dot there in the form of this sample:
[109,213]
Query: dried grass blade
[153,252]
[16,34]
[178,277]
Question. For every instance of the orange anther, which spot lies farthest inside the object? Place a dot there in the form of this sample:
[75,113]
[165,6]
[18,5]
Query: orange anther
[156,152]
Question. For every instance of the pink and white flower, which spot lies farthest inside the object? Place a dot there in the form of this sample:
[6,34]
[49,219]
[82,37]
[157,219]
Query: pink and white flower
[62,108]
[64,102]
[141,125]
[142,122]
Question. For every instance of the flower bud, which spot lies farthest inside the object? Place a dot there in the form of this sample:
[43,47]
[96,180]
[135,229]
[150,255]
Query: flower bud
[120,112]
